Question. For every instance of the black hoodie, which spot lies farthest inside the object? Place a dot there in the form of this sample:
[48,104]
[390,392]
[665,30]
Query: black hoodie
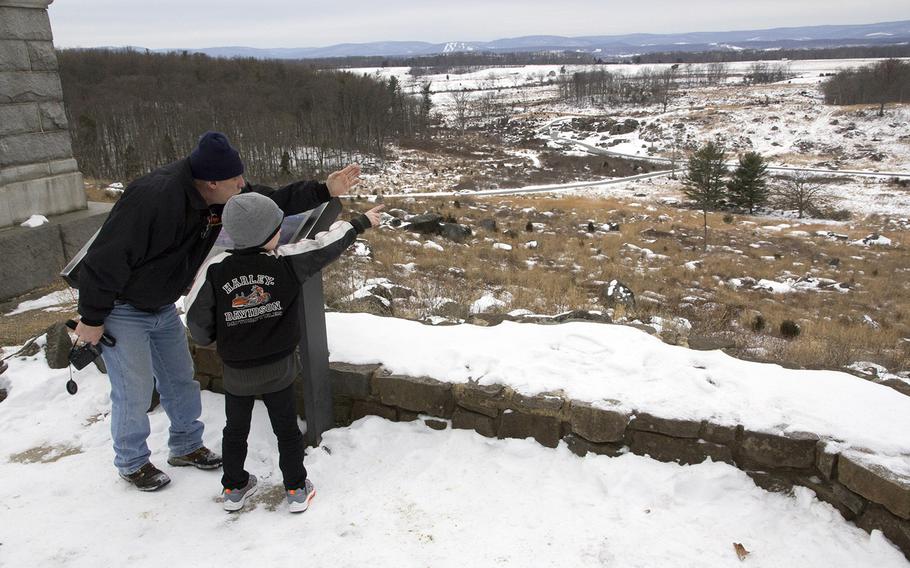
[157,236]
[247,299]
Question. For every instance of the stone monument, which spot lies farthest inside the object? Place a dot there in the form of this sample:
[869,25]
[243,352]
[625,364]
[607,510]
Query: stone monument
[38,174]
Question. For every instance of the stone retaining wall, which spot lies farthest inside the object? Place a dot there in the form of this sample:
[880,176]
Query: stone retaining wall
[865,493]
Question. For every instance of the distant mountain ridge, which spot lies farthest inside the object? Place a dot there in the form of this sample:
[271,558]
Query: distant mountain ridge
[883,33]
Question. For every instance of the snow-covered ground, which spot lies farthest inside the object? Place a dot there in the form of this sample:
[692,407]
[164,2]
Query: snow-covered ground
[430,492]
[388,494]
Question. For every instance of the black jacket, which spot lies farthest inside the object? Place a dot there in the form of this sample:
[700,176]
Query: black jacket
[247,299]
[157,236]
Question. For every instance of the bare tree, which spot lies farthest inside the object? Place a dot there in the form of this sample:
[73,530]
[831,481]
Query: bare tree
[802,193]
[460,101]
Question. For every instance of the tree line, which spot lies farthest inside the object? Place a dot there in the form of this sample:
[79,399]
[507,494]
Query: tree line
[879,83]
[846,52]
[131,111]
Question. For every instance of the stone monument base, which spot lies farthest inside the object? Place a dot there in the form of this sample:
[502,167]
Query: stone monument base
[33,258]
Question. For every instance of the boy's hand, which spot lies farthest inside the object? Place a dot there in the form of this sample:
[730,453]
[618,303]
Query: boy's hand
[341,182]
[373,215]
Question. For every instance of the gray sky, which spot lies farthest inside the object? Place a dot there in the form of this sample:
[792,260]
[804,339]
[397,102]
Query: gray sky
[288,23]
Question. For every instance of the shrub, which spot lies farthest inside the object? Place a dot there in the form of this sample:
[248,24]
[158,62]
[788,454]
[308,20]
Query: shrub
[789,329]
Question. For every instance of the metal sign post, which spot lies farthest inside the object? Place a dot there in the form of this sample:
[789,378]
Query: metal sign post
[316,389]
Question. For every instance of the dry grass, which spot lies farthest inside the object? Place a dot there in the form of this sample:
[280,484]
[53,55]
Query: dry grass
[570,267]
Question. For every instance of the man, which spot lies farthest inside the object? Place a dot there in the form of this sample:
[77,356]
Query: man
[143,259]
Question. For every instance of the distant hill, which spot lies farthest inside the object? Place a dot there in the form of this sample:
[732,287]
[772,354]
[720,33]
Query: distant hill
[884,33]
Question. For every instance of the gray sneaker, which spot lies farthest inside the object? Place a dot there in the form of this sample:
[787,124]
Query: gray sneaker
[234,499]
[299,499]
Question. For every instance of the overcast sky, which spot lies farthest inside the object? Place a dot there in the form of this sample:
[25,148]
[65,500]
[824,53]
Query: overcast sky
[289,23]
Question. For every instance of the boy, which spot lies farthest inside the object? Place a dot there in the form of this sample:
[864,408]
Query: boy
[246,299]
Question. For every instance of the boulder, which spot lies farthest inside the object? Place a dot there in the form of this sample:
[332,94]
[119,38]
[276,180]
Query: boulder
[428,224]
[59,344]
[455,232]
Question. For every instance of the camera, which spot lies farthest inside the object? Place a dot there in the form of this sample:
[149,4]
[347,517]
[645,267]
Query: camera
[81,356]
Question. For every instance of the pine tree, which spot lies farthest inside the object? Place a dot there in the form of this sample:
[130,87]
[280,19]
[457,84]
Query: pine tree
[704,182]
[748,186]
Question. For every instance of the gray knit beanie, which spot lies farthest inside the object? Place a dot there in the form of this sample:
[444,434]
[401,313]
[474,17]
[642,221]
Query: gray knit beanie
[251,219]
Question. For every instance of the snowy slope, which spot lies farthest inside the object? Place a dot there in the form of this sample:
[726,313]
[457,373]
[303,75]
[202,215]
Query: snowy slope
[389,494]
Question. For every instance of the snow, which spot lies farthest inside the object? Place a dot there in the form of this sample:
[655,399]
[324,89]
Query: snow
[34,221]
[486,303]
[388,494]
[597,362]
[50,302]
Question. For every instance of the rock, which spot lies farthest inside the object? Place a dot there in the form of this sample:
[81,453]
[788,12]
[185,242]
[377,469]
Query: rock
[58,347]
[30,350]
[207,361]
[545,404]
[682,450]
[407,415]
[825,460]
[771,450]
[428,224]
[398,213]
[484,425]
[351,380]
[484,399]
[417,394]
[373,304]
[455,232]
[896,530]
[718,433]
[581,447]
[582,315]
[436,424]
[598,423]
[875,483]
[363,408]
[707,343]
[451,309]
[487,225]
[618,295]
[545,429]
[3,394]
[668,426]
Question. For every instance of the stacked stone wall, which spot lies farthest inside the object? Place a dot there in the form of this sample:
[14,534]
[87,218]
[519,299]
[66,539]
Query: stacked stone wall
[864,492]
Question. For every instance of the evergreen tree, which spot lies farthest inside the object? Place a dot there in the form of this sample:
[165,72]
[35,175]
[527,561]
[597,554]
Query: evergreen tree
[704,182]
[748,186]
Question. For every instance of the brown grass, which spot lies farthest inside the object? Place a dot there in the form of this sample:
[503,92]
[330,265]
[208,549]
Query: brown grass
[570,267]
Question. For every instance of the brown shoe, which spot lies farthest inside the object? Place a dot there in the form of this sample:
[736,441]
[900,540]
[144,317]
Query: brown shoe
[147,478]
[202,458]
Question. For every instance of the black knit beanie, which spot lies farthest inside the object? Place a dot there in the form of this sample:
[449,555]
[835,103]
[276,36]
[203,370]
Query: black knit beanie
[214,159]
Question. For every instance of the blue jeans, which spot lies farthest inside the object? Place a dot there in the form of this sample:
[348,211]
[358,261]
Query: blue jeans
[151,349]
